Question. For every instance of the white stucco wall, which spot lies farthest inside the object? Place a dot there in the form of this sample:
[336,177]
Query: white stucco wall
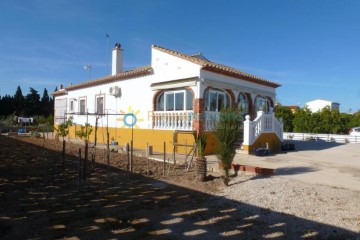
[237,85]
[168,67]
[319,104]
[136,96]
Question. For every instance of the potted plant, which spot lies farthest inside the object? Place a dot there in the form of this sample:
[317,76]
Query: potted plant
[201,165]
[261,151]
[291,146]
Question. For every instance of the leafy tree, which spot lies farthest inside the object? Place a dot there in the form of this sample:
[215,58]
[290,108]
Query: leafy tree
[287,116]
[302,120]
[345,122]
[84,132]
[355,121]
[63,128]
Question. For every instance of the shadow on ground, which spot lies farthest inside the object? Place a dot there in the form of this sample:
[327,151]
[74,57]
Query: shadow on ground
[312,145]
[293,170]
[37,201]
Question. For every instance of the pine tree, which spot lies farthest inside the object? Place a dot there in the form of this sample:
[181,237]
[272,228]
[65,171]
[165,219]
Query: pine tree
[19,102]
[45,104]
[32,103]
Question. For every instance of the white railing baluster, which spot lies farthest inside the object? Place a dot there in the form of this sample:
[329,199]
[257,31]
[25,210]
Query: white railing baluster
[181,120]
[264,123]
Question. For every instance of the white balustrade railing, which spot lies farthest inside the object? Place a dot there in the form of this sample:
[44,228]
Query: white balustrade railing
[177,120]
[210,120]
[264,123]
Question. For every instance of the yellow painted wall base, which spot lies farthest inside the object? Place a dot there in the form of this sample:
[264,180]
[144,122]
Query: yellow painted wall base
[141,137]
[270,139]
[156,139]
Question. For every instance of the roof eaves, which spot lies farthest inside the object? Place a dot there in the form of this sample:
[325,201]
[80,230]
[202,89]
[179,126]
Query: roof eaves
[232,72]
[219,68]
[137,72]
[181,55]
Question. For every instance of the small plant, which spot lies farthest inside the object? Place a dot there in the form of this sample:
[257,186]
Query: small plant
[36,134]
[200,141]
[261,151]
[201,165]
[84,132]
[63,131]
[63,128]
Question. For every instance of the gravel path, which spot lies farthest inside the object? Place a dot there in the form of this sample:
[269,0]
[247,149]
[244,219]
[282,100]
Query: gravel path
[328,206]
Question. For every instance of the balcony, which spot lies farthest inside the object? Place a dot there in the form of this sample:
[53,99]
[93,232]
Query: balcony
[173,120]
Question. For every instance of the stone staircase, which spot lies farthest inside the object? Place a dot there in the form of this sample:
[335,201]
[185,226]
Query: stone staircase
[238,144]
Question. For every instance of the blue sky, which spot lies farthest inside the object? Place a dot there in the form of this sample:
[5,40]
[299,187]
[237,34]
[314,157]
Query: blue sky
[310,47]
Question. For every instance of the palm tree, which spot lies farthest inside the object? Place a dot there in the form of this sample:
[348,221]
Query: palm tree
[201,165]
[227,131]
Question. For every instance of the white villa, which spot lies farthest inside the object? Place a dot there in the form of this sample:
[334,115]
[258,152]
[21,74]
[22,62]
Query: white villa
[150,104]
[318,104]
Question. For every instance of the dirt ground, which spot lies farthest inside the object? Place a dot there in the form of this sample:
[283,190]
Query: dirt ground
[40,200]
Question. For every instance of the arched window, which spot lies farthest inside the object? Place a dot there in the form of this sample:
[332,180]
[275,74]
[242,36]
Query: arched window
[175,100]
[243,103]
[216,100]
[262,104]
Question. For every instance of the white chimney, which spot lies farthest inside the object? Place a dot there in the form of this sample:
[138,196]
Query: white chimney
[117,59]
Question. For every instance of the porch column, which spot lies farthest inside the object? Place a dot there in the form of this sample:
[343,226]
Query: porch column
[248,134]
[199,115]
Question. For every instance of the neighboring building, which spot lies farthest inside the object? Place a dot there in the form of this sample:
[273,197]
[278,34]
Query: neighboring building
[293,108]
[318,104]
[176,93]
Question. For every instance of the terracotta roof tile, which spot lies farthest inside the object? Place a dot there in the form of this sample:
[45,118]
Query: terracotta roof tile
[219,68]
[137,72]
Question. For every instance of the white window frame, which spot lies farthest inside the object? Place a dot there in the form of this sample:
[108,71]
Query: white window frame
[96,103]
[264,102]
[85,108]
[217,92]
[174,92]
[72,105]
[60,108]
[247,104]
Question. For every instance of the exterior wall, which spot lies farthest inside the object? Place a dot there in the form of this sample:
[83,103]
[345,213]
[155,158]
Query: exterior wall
[129,101]
[318,105]
[167,67]
[141,137]
[238,85]
[235,86]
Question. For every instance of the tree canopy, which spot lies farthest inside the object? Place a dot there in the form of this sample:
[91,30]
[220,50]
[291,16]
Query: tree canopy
[29,105]
[324,121]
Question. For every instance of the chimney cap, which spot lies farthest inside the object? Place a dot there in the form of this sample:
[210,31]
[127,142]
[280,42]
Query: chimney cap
[117,45]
